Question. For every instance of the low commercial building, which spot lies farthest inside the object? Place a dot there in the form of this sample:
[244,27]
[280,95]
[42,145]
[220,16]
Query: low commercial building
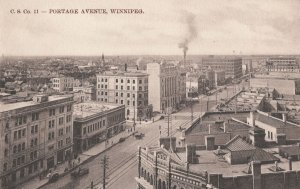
[83,94]
[96,122]
[35,136]
[282,85]
[282,64]
[61,84]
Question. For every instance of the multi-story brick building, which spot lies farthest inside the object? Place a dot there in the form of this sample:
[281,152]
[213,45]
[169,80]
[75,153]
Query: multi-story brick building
[231,66]
[61,84]
[96,122]
[282,64]
[167,86]
[35,136]
[126,88]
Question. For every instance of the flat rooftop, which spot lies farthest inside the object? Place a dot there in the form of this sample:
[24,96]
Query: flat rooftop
[125,74]
[87,109]
[245,101]
[212,163]
[17,105]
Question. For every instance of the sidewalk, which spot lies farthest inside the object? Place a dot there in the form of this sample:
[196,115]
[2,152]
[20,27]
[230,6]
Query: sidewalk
[81,159]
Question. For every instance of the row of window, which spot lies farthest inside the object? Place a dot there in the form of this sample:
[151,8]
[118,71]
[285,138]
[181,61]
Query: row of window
[122,80]
[61,110]
[122,88]
[18,148]
[19,134]
[93,127]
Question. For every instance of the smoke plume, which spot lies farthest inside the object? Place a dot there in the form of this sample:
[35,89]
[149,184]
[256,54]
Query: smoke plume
[189,20]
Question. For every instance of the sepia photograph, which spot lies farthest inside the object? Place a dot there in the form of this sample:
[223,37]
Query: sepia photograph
[137,94]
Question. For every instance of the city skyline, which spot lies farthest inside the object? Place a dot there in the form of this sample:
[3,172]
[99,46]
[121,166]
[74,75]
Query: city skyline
[232,27]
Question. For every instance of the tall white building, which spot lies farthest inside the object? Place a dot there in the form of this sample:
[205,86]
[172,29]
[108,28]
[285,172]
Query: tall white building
[167,86]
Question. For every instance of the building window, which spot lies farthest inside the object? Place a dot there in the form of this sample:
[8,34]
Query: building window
[128,95]
[116,86]
[117,101]
[128,81]
[133,87]
[121,101]
[103,123]
[51,124]
[140,95]
[117,94]
[5,167]
[60,132]
[121,94]
[121,87]
[69,108]
[133,103]
[140,102]
[140,81]
[133,81]
[34,129]
[21,120]
[140,88]
[61,109]
[128,102]
[60,143]
[117,81]
[51,112]
[68,140]
[51,136]
[121,80]
[35,116]
[68,118]
[105,93]
[84,130]
[61,120]
[128,88]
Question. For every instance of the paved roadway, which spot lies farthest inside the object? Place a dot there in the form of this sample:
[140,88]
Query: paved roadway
[122,157]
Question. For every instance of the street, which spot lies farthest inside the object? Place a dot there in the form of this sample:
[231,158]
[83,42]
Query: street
[122,161]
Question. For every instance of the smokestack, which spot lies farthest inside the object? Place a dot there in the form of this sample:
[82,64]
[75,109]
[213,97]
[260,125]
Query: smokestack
[125,67]
[189,19]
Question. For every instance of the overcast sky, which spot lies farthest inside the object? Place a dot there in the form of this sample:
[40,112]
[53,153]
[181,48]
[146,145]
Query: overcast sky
[221,27]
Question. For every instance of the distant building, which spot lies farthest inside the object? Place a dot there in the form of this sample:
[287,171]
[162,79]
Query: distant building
[231,66]
[203,84]
[247,66]
[219,77]
[282,85]
[128,88]
[83,94]
[61,84]
[167,86]
[282,64]
[96,122]
[35,136]
[210,76]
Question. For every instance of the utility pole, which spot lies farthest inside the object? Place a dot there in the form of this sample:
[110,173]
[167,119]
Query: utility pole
[192,111]
[216,97]
[134,116]
[104,163]
[92,185]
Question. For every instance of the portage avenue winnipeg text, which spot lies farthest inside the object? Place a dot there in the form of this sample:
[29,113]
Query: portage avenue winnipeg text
[78,11]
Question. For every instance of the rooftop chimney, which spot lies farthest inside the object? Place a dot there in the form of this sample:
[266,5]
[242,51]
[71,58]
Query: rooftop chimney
[125,67]
[284,117]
